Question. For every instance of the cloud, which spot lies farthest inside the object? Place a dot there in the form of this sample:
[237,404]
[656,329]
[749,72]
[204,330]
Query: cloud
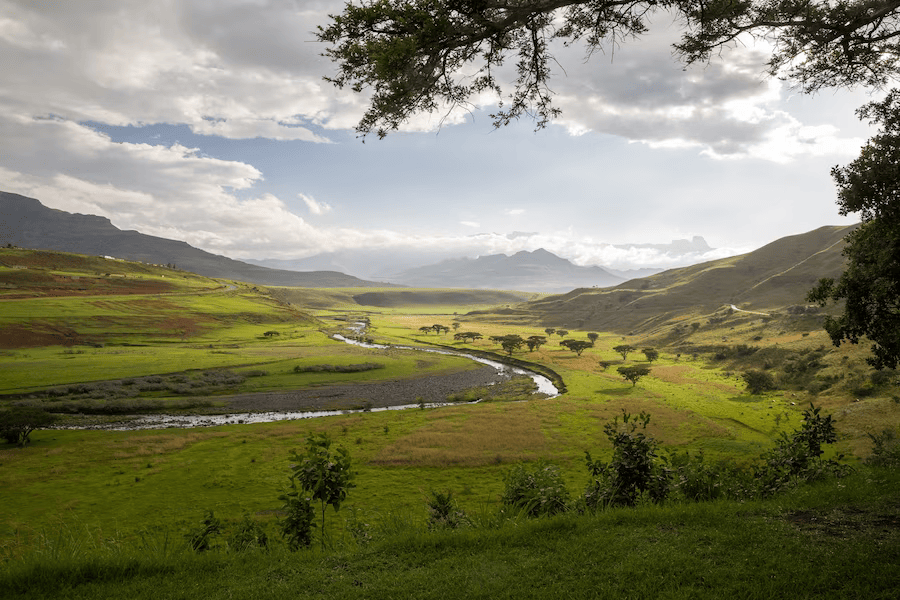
[316,208]
[471,224]
[514,211]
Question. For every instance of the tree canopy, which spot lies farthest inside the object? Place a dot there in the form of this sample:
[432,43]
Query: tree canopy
[870,285]
[420,56]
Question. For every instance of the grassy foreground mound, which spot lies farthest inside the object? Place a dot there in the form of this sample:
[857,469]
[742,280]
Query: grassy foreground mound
[835,539]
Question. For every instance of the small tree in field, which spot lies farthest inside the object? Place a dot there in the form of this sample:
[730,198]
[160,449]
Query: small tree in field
[534,342]
[651,354]
[550,331]
[576,346]
[634,374]
[624,350]
[323,473]
[17,423]
[562,332]
[425,329]
[593,337]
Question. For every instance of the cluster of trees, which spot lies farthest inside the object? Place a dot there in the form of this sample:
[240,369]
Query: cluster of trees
[437,328]
[17,423]
[416,56]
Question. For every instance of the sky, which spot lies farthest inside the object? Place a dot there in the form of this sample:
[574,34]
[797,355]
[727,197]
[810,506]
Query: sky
[209,121]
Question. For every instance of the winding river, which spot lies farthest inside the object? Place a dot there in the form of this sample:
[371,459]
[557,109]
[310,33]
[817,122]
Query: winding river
[504,371]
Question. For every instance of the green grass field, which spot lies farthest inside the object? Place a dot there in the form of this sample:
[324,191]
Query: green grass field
[129,486]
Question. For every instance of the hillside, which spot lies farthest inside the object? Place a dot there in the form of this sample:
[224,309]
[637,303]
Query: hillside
[27,223]
[773,277]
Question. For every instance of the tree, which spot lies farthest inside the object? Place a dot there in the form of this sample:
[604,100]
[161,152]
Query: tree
[470,336]
[425,329]
[562,332]
[870,285]
[440,328]
[17,423]
[324,474]
[758,382]
[576,346]
[651,354]
[634,374]
[427,55]
[534,342]
[593,337]
[624,350]
[549,331]
[455,325]
[510,343]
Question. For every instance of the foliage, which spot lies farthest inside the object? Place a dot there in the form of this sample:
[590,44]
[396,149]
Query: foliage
[199,539]
[297,523]
[323,473]
[634,472]
[427,55]
[549,331]
[798,457]
[562,332]
[759,381]
[17,423]
[885,449]
[469,336]
[634,374]
[593,337]
[510,343]
[534,342]
[624,350]
[357,368]
[537,492]
[576,346]
[444,511]
[650,354]
[248,535]
[870,285]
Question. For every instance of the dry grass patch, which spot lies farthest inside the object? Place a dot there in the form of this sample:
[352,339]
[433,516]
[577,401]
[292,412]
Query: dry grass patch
[467,437]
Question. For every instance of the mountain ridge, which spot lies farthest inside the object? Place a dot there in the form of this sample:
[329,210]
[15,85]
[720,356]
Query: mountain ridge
[28,223]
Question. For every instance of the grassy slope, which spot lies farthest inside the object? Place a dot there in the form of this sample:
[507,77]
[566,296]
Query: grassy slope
[835,540]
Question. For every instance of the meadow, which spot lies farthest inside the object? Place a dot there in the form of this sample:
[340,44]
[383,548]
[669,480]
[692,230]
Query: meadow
[82,493]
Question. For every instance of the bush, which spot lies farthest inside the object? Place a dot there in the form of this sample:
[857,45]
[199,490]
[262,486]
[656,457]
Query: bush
[539,492]
[759,381]
[634,471]
[199,539]
[247,535]
[297,524]
[885,450]
[797,458]
[444,512]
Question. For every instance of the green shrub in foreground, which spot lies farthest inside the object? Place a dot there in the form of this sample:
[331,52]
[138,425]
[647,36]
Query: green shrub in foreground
[536,492]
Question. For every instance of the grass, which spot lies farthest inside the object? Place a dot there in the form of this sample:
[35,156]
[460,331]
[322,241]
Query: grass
[85,500]
[838,539]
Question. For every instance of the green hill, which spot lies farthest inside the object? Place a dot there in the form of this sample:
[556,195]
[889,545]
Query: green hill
[771,278]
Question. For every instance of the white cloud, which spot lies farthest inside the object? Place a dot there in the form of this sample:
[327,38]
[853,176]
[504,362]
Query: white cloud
[514,211]
[316,208]
[471,224]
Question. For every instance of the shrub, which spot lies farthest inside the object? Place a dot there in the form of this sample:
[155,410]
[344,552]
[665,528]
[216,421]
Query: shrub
[759,381]
[247,535]
[538,492]
[199,539]
[633,472]
[297,523]
[444,511]
[885,450]
[797,457]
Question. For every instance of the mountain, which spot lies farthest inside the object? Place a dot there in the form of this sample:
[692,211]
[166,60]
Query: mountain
[27,223]
[538,271]
[774,277]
